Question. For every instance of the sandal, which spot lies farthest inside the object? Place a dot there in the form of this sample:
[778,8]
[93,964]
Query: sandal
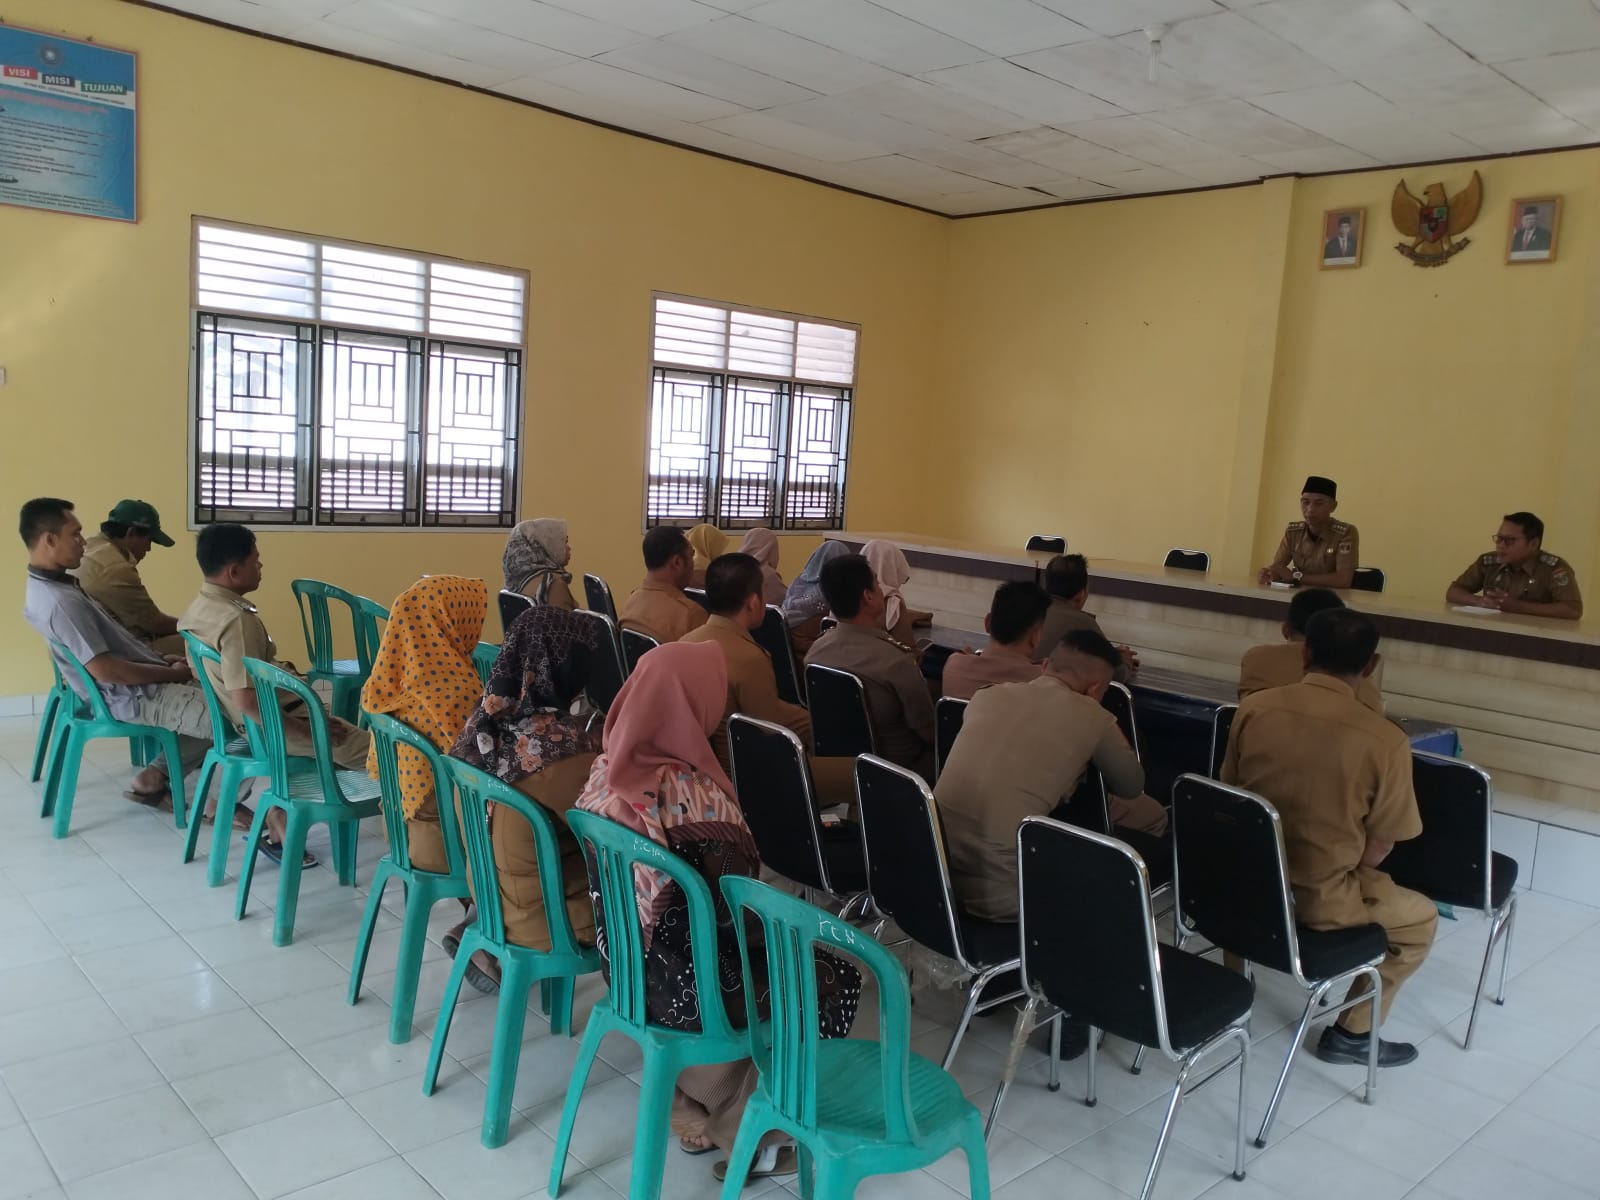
[481,979]
[274,851]
[784,1162]
[160,798]
[688,1146]
[451,941]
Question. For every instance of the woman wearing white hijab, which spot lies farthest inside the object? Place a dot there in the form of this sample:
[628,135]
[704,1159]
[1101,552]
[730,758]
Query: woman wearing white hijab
[893,572]
[535,559]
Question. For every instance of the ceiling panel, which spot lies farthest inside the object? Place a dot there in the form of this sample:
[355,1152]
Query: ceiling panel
[975,105]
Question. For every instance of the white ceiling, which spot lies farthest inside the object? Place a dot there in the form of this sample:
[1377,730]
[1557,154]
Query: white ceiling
[966,106]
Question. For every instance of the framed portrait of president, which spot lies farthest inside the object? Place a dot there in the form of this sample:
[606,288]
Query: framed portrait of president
[1535,222]
[1344,231]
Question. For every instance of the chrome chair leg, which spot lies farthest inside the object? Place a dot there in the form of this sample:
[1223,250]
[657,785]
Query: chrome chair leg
[1162,1138]
[1499,929]
[1138,1060]
[974,994]
[1093,1053]
[1505,950]
[1288,1063]
[1054,1085]
[1020,1033]
[1238,1127]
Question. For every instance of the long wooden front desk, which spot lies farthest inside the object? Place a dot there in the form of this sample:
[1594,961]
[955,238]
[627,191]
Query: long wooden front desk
[1524,692]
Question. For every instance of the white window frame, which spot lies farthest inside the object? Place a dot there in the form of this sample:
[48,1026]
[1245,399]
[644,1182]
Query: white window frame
[728,374]
[376,522]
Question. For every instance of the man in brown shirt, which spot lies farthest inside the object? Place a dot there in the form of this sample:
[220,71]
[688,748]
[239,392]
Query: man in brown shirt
[1022,750]
[658,607]
[1066,580]
[1015,620]
[109,574]
[1285,662]
[1316,551]
[898,702]
[1340,778]
[1518,577]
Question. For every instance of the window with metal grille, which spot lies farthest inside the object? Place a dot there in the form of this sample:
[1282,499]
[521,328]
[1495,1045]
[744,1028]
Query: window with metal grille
[749,417]
[341,385]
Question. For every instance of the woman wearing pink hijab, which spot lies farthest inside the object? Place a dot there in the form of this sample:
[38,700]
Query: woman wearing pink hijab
[659,777]
[893,572]
[761,544]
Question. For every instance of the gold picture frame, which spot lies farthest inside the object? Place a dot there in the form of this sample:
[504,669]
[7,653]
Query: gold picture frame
[1535,227]
[1342,246]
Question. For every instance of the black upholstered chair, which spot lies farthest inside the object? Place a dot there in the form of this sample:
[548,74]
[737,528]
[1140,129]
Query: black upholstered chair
[1454,862]
[1187,560]
[908,877]
[840,724]
[1231,887]
[1221,727]
[1046,543]
[772,635]
[635,645]
[597,595]
[512,606]
[1118,701]
[607,668]
[773,780]
[949,713]
[1367,579]
[1111,972]
[698,595]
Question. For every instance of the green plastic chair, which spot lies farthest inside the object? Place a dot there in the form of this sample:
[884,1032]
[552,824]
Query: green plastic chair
[369,613]
[307,796]
[345,675]
[423,889]
[58,695]
[232,754]
[554,970]
[82,721]
[854,1108]
[613,851]
[484,659]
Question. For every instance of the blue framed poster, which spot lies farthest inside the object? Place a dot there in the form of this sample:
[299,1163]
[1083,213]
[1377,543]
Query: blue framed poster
[69,126]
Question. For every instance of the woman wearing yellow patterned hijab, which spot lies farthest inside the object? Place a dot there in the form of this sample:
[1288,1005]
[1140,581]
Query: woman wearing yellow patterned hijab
[424,675]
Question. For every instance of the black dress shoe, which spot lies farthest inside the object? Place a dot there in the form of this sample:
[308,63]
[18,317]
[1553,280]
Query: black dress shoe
[1337,1046]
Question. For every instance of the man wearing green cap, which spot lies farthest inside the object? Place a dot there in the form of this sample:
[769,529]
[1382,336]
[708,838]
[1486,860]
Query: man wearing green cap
[110,574]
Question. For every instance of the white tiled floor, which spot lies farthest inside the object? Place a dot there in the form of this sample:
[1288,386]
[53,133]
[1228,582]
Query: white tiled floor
[150,1046]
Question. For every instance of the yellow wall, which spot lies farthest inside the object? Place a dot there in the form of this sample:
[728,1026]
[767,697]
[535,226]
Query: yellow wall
[94,315]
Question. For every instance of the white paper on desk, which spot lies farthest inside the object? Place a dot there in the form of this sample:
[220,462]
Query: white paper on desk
[1275,583]
[1477,610]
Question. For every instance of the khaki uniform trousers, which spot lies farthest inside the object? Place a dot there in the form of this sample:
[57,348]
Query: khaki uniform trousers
[1410,919]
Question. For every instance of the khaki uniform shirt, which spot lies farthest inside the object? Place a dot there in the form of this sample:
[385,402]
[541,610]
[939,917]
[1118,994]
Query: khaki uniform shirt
[1283,663]
[1022,750]
[230,625]
[108,576]
[964,674]
[1060,619]
[661,611]
[1338,774]
[1338,549]
[1547,579]
[898,701]
[752,684]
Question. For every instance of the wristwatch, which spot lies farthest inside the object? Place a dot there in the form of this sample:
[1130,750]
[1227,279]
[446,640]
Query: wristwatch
[1297,575]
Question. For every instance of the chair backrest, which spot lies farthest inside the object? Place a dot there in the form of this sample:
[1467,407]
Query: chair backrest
[1230,878]
[1221,728]
[949,714]
[1088,807]
[1118,701]
[698,595]
[612,852]
[772,635]
[635,645]
[1046,543]
[1367,579]
[607,669]
[370,615]
[316,620]
[476,790]
[784,1046]
[222,731]
[512,606]
[389,734]
[269,681]
[908,872]
[1187,560]
[773,783]
[826,624]
[841,726]
[91,690]
[483,658]
[597,595]
[1452,861]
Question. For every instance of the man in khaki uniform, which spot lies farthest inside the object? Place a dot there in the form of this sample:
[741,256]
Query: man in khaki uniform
[898,702]
[109,574]
[1340,778]
[1518,577]
[1022,751]
[1014,621]
[1066,579]
[658,607]
[734,588]
[223,619]
[1316,551]
[1284,662]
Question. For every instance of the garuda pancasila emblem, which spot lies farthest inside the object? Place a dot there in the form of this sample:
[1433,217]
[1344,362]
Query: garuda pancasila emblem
[1435,224]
